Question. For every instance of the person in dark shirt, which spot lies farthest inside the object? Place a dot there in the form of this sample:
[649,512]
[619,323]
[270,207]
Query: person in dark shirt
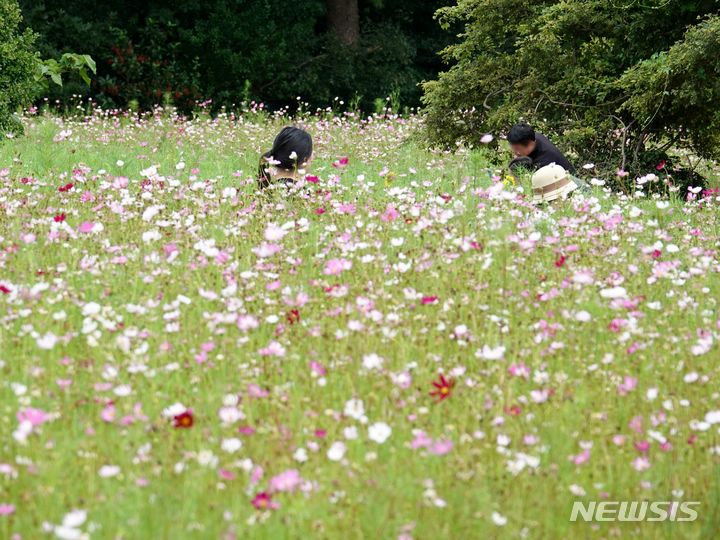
[288,159]
[527,145]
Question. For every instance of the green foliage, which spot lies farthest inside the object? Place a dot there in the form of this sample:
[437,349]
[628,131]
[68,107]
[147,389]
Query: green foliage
[69,63]
[196,50]
[17,67]
[610,80]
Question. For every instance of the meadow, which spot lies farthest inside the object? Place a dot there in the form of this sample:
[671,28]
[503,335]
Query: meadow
[402,346]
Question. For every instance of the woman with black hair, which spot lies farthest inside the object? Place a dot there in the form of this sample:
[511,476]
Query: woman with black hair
[289,158]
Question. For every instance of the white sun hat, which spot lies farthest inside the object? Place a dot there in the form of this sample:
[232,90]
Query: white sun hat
[551,182]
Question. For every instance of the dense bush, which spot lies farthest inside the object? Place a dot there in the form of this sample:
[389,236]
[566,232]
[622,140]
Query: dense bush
[611,80]
[230,51]
[17,66]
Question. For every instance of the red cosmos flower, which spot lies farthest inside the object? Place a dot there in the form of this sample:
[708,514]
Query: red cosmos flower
[4,289]
[443,388]
[514,410]
[428,300]
[293,316]
[656,254]
[263,501]
[312,179]
[560,261]
[660,166]
[319,211]
[60,218]
[66,187]
[184,420]
[341,163]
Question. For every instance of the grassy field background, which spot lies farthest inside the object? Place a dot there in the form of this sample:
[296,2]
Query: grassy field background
[147,285]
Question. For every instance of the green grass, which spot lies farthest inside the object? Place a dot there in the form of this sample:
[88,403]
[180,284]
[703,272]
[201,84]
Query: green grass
[492,261]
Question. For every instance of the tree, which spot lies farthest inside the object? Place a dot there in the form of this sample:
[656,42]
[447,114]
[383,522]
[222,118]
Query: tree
[343,18]
[17,67]
[231,51]
[617,83]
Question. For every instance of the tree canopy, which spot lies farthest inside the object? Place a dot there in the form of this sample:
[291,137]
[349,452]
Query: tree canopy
[617,82]
[150,51]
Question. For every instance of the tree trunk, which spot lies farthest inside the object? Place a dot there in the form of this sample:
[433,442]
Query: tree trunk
[343,18]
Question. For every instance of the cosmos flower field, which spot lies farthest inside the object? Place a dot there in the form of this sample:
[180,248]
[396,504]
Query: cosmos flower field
[400,347]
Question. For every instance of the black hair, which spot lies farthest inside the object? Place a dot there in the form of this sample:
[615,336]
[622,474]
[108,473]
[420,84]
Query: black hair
[521,134]
[521,162]
[291,141]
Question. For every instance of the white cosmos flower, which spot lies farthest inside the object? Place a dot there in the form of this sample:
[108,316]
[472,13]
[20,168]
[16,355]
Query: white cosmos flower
[174,410]
[583,316]
[354,408]
[614,292]
[372,361]
[47,341]
[74,519]
[150,171]
[108,471]
[231,445]
[336,451]
[273,232]
[68,533]
[91,308]
[491,353]
[379,432]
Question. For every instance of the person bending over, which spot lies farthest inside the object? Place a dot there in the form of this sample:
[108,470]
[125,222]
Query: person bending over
[288,160]
[533,150]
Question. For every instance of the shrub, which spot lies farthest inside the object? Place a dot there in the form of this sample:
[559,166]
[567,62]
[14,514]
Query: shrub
[17,66]
[610,80]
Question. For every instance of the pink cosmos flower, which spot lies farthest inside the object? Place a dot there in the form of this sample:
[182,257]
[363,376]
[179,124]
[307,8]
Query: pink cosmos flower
[628,385]
[226,474]
[347,208]
[317,368]
[86,227]
[6,509]
[421,440]
[120,182]
[247,322]
[642,446]
[273,349]
[108,413]
[440,448]
[256,475]
[582,457]
[636,424]
[335,267]
[35,417]
[266,250]
[390,214]
[289,480]
[263,501]
[254,391]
